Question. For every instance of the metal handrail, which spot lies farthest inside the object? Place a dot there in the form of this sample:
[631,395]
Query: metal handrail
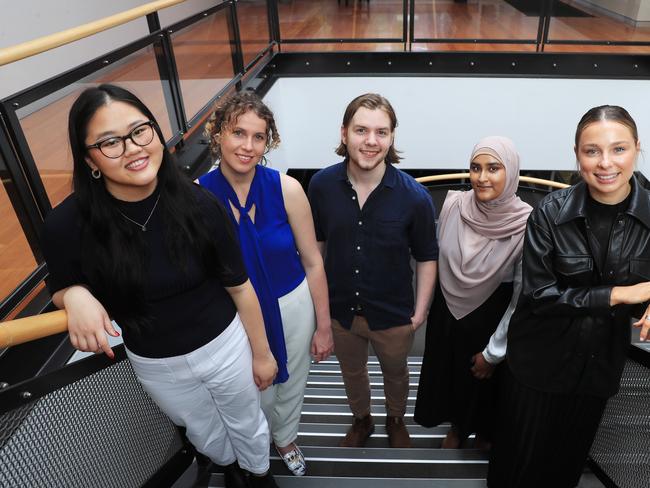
[46,43]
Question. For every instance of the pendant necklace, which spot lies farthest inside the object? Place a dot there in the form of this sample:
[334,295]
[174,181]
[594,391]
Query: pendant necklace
[142,226]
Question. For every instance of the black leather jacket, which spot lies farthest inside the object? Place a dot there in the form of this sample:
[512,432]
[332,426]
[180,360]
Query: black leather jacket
[564,337]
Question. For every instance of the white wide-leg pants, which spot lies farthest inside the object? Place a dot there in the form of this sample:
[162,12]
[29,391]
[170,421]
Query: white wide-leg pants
[282,403]
[211,393]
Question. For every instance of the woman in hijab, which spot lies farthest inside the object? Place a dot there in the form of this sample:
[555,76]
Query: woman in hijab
[481,239]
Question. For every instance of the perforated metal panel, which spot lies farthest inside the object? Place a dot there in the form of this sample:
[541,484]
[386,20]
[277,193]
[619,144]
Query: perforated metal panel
[622,444]
[102,430]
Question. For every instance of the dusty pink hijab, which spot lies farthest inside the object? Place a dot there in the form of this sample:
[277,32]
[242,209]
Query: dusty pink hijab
[481,241]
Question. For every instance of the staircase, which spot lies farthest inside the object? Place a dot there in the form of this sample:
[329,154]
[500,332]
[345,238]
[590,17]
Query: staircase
[325,420]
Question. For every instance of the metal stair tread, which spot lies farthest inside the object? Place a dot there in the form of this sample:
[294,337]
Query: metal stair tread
[372,370]
[288,481]
[337,380]
[380,429]
[336,395]
[382,455]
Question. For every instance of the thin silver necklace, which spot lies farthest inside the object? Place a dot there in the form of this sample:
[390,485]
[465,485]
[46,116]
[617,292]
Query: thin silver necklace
[142,226]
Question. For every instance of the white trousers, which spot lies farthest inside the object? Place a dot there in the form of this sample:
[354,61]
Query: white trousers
[282,403]
[211,393]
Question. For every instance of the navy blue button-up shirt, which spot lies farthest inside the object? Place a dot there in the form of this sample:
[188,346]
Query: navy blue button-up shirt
[368,250]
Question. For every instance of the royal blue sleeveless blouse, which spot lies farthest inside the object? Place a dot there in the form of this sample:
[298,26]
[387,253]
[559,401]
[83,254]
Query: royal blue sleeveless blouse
[278,246]
[268,248]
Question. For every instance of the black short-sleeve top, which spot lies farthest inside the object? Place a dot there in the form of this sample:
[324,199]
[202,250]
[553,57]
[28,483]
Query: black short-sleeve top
[187,309]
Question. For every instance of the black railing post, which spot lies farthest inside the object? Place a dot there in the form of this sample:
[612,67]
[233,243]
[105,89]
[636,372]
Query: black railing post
[24,173]
[29,212]
[544,24]
[411,22]
[237,49]
[168,72]
[274,22]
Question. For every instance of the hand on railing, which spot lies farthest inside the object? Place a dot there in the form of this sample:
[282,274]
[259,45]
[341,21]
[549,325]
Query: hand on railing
[88,321]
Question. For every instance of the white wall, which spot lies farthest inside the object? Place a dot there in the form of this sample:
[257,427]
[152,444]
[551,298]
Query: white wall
[441,118]
[644,11]
[636,10]
[627,8]
[24,20]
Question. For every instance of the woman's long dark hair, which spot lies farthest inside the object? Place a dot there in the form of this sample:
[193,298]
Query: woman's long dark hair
[114,251]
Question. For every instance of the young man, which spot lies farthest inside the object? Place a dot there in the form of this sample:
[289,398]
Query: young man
[371,218]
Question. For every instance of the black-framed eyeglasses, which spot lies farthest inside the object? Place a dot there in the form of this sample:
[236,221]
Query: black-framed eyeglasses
[114,147]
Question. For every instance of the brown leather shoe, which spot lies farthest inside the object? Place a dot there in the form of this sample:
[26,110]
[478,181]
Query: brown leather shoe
[398,436]
[360,430]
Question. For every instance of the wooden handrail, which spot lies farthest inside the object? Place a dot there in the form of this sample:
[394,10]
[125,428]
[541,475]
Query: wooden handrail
[18,331]
[541,181]
[460,176]
[36,46]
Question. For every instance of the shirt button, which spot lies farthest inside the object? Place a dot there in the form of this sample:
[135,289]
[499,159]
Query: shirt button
[354,197]
[356,293]
[621,222]
[361,222]
[356,271]
[610,273]
[358,248]
[352,309]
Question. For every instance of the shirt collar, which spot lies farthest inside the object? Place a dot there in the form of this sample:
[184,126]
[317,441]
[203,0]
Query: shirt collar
[575,205]
[389,179]
[639,203]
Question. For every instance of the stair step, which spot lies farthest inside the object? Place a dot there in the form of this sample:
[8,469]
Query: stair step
[340,413]
[373,370]
[373,361]
[326,418]
[391,463]
[335,380]
[287,481]
[329,434]
[337,395]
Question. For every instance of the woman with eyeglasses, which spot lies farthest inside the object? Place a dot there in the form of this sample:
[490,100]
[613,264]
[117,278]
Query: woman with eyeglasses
[139,243]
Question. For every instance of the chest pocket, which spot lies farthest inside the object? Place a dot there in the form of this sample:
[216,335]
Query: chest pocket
[639,269]
[390,241]
[575,270]
[389,231]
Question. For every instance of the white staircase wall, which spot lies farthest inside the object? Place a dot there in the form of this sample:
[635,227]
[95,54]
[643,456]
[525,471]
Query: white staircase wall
[441,118]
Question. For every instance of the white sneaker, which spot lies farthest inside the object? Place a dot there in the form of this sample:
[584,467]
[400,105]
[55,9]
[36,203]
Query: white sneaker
[295,461]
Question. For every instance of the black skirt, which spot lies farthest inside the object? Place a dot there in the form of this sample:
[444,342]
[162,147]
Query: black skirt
[542,439]
[448,392]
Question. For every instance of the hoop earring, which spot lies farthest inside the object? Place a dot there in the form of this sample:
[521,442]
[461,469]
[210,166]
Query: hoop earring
[96,174]
[263,161]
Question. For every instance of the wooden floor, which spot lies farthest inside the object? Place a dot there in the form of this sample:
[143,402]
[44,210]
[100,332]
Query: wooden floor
[204,64]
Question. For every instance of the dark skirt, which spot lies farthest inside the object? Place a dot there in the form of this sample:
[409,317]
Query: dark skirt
[448,391]
[542,439]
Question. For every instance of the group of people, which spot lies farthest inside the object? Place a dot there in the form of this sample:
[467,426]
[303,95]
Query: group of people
[225,289]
